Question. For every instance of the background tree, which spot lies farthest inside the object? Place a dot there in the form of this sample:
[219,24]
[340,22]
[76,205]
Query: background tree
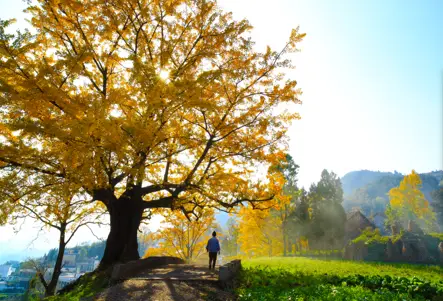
[55,206]
[96,249]
[328,217]
[285,202]
[144,104]
[182,237]
[93,250]
[231,239]
[83,253]
[299,219]
[408,203]
[51,257]
[259,233]
[145,241]
[437,206]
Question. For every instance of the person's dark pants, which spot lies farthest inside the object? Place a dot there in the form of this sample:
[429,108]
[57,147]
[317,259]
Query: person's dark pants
[212,259]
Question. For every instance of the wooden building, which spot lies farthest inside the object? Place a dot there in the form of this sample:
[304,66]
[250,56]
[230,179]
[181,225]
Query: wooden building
[356,222]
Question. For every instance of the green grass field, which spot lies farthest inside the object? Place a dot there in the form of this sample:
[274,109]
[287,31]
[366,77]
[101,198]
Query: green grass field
[297,278]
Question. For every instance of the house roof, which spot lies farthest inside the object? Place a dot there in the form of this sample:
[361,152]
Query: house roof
[359,217]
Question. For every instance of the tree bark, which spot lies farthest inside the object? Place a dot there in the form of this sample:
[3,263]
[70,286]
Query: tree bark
[50,289]
[270,247]
[284,238]
[121,245]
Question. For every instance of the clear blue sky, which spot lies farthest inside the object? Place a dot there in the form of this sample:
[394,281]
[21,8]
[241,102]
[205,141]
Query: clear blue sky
[372,78]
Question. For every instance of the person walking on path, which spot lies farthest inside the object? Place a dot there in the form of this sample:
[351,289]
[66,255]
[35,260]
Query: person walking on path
[213,247]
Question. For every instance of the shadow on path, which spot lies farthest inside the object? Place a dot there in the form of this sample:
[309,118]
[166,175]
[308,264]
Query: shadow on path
[165,290]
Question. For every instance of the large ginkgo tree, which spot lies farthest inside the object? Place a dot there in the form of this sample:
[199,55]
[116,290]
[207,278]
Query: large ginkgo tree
[145,104]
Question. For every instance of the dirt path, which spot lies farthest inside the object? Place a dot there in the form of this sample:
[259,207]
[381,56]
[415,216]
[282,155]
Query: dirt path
[182,272]
[174,282]
[164,290]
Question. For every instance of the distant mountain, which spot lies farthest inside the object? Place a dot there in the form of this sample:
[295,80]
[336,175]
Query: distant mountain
[357,179]
[20,255]
[438,174]
[368,189]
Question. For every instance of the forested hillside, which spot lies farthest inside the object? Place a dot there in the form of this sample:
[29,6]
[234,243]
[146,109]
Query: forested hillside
[368,189]
[357,179]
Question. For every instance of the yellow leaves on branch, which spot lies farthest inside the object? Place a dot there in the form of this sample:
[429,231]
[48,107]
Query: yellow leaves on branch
[259,233]
[181,237]
[91,88]
[295,38]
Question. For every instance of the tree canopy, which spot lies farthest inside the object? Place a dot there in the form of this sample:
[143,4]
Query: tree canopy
[408,203]
[259,233]
[144,104]
[327,216]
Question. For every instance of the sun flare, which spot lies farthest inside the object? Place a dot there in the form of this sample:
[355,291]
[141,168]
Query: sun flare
[164,74]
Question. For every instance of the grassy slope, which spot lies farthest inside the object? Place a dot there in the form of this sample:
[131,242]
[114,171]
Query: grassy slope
[87,287]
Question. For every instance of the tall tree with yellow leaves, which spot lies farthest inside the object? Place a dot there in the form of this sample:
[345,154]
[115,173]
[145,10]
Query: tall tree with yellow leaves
[259,233]
[408,203]
[284,204]
[145,104]
[181,237]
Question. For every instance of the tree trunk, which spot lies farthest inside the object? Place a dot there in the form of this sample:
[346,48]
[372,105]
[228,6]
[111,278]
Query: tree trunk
[270,247]
[121,245]
[50,289]
[288,246]
[284,242]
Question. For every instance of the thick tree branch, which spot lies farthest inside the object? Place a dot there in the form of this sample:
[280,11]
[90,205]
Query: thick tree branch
[159,187]
[200,160]
[42,279]
[165,202]
[104,195]
[37,169]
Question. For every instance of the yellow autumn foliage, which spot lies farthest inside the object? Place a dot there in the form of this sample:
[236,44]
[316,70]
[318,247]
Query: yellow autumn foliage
[181,237]
[142,104]
[407,202]
[259,233]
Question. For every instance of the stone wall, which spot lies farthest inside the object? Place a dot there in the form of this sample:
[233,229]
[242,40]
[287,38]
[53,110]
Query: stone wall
[227,273]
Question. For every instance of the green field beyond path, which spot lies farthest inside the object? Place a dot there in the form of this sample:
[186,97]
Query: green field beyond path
[297,278]
[343,268]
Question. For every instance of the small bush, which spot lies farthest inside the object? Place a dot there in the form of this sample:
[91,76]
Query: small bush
[439,236]
[369,236]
